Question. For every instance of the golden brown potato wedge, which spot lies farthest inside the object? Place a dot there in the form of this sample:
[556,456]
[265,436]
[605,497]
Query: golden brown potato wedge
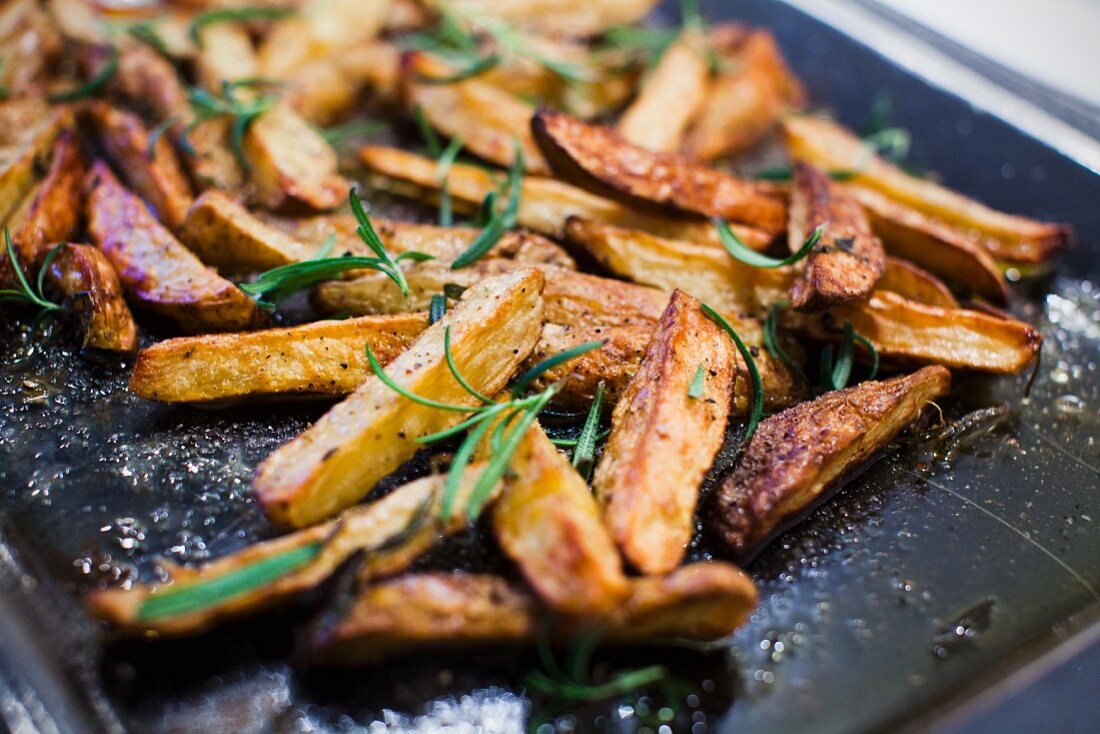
[916,284]
[933,245]
[157,178]
[225,54]
[847,261]
[31,43]
[1006,236]
[29,128]
[322,471]
[290,164]
[391,533]
[489,120]
[88,280]
[548,523]
[702,601]
[546,203]
[327,88]
[324,358]
[661,429]
[553,17]
[319,29]
[598,160]
[796,455]
[157,271]
[671,95]
[51,212]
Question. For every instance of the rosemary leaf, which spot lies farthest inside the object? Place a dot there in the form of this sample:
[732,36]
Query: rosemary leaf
[437,309]
[90,87]
[234,15]
[442,174]
[584,454]
[25,293]
[771,340]
[742,252]
[477,68]
[551,362]
[698,382]
[499,221]
[449,356]
[757,411]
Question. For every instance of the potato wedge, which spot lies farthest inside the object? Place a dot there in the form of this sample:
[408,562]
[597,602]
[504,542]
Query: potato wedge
[489,120]
[291,166]
[796,455]
[323,358]
[29,130]
[702,601]
[933,245]
[225,54]
[86,278]
[391,533]
[670,96]
[320,28]
[660,430]
[493,328]
[51,212]
[546,204]
[1006,236]
[916,284]
[553,17]
[596,159]
[156,178]
[32,45]
[325,89]
[157,271]
[548,523]
[847,261]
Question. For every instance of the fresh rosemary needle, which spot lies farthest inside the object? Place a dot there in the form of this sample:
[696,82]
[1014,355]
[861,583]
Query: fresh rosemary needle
[234,15]
[498,221]
[26,292]
[757,411]
[742,252]
[90,87]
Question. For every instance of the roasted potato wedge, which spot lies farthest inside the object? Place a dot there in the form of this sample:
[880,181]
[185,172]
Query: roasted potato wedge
[28,129]
[320,29]
[51,212]
[916,284]
[1007,237]
[553,17]
[493,328]
[847,261]
[796,455]
[157,271]
[546,203]
[324,358]
[31,43]
[548,523]
[153,174]
[327,88]
[702,601]
[84,276]
[660,429]
[671,95]
[933,245]
[391,533]
[225,54]
[596,159]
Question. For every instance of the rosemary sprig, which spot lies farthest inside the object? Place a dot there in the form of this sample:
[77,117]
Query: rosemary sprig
[391,264]
[145,31]
[437,309]
[442,174]
[698,382]
[771,340]
[477,68]
[757,411]
[742,252]
[498,221]
[90,87]
[234,15]
[26,293]
[835,375]
[338,136]
[584,454]
[549,363]
[784,173]
[242,112]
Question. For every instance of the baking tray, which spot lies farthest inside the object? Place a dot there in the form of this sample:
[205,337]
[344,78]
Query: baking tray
[943,571]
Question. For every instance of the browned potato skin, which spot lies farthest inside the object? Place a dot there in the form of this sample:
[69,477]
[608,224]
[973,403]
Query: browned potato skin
[663,441]
[933,245]
[701,601]
[548,523]
[158,179]
[27,132]
[155,269]
[796,455]
[597,159]
[916,284]
[323,358]
[86,277]
[52,214]
[847,261]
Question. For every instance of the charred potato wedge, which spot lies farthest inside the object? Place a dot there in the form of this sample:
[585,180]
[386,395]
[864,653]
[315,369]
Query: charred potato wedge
[596,159]
[158,272]
[916,284]
[847,261]
[84,276]
[324,358]
[661,430]
[794,457]
[1007,237]
[321,472]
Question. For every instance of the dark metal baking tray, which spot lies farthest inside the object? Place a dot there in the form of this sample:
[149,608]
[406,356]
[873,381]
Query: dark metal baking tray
[863,622]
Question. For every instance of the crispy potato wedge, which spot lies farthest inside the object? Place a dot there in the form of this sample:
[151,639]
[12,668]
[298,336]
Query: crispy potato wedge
[847,261]
[87,279]
[320,28]
[659,430]
[796,455]
[596,159]
[933,245]
[291,166]
[548,523]
[226,235]
[489,120]
[745,101]
[1006,236]
[493,328]
[917,333]
[916,284]
[156,178]
[157,271]
[327,88]
[702,601]
[553,17]
[391,533]
[51,212]
[29,130]
[323,358]
[546,203]
[671,95]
